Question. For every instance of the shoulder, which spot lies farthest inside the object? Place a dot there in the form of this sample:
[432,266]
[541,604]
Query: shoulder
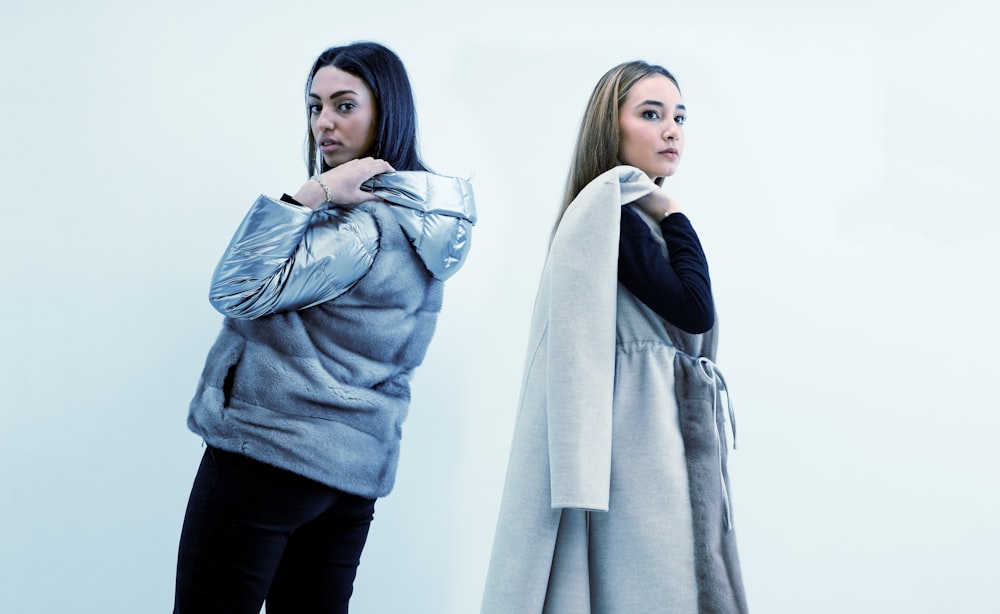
[426,193]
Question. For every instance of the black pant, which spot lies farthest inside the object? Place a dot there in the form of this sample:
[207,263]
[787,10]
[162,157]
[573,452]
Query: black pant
[254,532]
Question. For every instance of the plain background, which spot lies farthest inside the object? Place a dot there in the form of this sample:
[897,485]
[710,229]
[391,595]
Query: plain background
[839,169]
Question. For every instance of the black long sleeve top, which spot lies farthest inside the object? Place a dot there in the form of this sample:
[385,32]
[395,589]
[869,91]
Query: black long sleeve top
[677,288]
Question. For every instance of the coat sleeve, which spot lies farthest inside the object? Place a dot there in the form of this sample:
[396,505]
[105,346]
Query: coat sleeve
[581,287]
[285,257]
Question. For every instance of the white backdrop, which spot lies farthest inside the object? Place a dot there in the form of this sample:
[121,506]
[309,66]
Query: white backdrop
[838,169]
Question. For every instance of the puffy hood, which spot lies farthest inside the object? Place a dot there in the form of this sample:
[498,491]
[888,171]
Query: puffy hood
[436,213]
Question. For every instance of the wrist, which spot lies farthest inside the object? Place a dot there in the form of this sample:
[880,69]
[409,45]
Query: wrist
[326,189]
[309,195]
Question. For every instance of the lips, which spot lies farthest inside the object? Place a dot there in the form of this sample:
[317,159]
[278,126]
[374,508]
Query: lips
[328,144]
[670,152]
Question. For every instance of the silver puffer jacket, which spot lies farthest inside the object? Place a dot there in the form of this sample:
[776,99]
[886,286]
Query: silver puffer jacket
[285,257]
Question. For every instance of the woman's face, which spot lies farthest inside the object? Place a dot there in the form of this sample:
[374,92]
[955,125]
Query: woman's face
[652,127]
[341,115]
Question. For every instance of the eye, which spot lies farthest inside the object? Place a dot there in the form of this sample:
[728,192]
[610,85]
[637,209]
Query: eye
[650,114]
[680,119]
[346,106]
[313,109]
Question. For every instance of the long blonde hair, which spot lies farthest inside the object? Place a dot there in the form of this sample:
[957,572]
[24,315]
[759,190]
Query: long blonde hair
[600,133]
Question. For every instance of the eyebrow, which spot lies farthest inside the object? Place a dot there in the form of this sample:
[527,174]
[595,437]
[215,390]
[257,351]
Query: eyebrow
[657,103]
[336,94]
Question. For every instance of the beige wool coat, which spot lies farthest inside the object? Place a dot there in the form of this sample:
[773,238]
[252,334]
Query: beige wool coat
[616,497]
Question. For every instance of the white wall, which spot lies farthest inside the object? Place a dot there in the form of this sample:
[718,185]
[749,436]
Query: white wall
[839,168]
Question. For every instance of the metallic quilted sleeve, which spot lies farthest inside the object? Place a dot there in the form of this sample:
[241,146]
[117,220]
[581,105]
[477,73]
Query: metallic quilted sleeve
[285,257]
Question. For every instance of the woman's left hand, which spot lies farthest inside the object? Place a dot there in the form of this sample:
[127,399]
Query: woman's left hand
[658,204]
[344,182]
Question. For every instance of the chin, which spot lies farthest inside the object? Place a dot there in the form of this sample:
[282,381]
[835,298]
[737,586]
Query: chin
[659,168]
[338,159]
[657,174]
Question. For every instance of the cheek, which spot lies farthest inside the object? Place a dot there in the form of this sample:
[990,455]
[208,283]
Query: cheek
[370,135]
[637,147]
[625,146]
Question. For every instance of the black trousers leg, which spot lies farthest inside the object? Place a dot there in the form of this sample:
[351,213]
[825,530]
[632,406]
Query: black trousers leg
[253,532]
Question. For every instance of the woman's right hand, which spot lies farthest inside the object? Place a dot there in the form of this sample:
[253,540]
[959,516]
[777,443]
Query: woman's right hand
[344,182]
[658,204]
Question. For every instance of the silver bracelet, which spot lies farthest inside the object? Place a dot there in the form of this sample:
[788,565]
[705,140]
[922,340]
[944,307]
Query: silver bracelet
[326,188]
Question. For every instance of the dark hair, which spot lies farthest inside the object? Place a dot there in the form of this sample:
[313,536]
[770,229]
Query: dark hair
[395,139]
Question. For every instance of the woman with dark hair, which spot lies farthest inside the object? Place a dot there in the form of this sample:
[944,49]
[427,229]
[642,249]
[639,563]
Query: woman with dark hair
[395,130]
[331,298]
[617,494]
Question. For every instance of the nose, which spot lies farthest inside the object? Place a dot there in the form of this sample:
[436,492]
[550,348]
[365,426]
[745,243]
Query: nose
[670,131]
[325,121]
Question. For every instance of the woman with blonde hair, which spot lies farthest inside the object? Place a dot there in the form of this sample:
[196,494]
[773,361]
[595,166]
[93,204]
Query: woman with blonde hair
[617,494]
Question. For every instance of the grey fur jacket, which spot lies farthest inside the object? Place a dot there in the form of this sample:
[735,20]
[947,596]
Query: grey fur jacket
[328,314]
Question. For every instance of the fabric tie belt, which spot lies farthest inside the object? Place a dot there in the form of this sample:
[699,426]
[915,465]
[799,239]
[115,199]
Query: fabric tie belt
[713,373]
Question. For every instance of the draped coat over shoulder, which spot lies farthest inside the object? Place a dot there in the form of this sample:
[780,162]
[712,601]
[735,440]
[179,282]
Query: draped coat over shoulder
[616,498]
